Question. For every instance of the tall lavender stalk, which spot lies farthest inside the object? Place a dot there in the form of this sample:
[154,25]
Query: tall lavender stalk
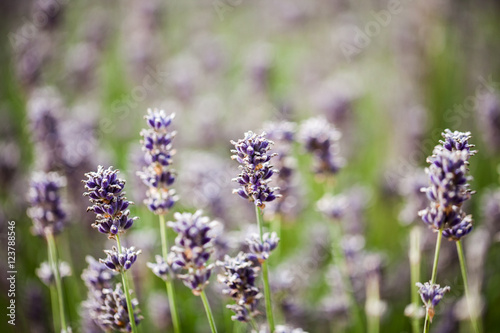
[256,170]
[158,176]
[49,219]
[106,193]
[448,190]
[191,252]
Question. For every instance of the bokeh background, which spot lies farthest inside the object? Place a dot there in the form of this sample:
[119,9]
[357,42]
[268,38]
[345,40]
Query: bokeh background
[391,76]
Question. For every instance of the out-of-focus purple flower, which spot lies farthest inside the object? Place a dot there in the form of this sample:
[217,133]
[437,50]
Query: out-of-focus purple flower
[192,249]
[45,107]
[262,249]
[431,295]
[239,278]
[46,274]
[161,268]
[334,207]
[97,276]
[50,10]
[283,135]
[46,209]
[284,329]
[158,175]
[488,108]
[409,188]
[159,311]
[105,192]
[320,138]
[254,157]
[120,262]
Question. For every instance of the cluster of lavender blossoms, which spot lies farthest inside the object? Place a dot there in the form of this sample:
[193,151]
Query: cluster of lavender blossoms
[431,295]
[46,209]
[261,249]
[321,139]
[105,192]
[256,170]
[192,249]
[106,306]
[449,188]
[239,277]
[158,175]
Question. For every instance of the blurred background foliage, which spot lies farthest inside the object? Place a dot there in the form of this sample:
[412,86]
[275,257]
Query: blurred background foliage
[226,67]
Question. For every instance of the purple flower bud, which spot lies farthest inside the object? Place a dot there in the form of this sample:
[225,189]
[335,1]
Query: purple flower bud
[262,249]
[120,262]
[431,295]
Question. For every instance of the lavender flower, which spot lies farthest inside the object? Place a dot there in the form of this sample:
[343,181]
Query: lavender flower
[320,138]
[112,314]
[120,262]
[158,176]
[105,192]
[161,268]
[252,153]
[431,295]
[46,209]
[262,249]
[97,276]
[334,207]
[192,249]
[46,274]
[239,277]
[448,188]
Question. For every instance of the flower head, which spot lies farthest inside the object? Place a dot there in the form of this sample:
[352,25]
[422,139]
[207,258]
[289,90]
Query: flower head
[161,268]
[46,273]
[105,192]
[262,249]
[431,295]
[192,249]
[158,175]
[254,157]
[120,261]
[320,138]
[239,278]
[97,276]
[112,313]
[46,208]
[457,141]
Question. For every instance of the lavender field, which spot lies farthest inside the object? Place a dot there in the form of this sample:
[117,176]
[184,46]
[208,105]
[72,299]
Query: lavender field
[250,166]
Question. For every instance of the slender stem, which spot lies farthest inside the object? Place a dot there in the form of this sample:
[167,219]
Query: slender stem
[126,291]
[55,268]
[434,275]
[277,222]
[463,268]
[265,276]
[342,263]
[168,283]
[415,258]
[55,308]
[254,324]
[208,310]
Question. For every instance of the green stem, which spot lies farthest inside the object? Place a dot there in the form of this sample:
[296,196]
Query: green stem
[168,283]
[434,275]
[342,263]
[55,308]
[463,268]
[55,268]
[254,324]
[208,310]
[414,256]
[265,276]
[126,291]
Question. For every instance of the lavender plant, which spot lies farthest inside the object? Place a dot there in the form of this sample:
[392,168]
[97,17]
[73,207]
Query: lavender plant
[49,219]
[106,194]
[252,152]
[158,176]
[192,250]
[447,191]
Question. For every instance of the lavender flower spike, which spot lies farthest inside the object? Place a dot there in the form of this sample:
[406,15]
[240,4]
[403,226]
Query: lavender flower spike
[46,274]
[239,280]
[46,208]
[158,175]
[120,262]
[113,312]
[263,249]
[431,295]
[161,268]
[254,157]
[105,192]
[192,249]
